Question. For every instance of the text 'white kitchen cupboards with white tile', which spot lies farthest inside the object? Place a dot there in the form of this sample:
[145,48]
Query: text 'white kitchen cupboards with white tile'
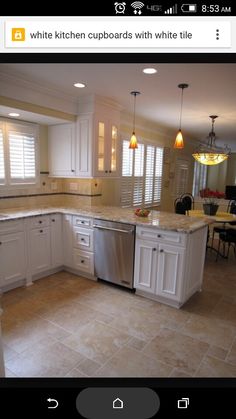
[12,252]
[169,265]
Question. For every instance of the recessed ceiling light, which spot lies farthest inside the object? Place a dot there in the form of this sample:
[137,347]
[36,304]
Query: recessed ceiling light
[149,70]
[13,114]
[80,85]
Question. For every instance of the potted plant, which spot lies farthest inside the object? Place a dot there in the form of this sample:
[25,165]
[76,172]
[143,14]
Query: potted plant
[210,197]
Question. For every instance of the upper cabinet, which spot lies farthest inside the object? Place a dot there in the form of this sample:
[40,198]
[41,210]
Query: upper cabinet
[88,148]
[61,147]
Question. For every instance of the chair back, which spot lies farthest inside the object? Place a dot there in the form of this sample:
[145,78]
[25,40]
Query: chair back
[188,201]
[179,206]
[232,207]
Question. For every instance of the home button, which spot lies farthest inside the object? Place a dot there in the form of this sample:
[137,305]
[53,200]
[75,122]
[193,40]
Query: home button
[117,402]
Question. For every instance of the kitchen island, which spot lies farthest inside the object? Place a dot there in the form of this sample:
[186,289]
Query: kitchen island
[169,248]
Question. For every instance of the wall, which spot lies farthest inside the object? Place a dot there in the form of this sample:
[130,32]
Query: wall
[231,170]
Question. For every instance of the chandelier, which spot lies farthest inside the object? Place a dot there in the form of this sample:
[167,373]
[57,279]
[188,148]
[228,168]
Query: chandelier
[208,153]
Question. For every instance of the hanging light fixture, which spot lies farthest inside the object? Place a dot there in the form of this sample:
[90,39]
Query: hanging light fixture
[179,142]
[133,140]
[208,153]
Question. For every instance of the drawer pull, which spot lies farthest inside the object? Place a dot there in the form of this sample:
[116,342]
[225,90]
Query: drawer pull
[161,251]
[154,249]
[40,222]
[0,243]
[82,222]
[41,231]
[82,239]
[82,261]
[53,220]
[159,235]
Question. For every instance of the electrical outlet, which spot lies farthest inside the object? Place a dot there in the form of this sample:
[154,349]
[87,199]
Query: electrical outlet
[73,186]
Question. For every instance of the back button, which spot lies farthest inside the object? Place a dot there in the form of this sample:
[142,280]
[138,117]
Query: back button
[122,402]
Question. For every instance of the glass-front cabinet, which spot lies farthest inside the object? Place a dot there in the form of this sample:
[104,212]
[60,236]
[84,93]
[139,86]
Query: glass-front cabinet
[107,147]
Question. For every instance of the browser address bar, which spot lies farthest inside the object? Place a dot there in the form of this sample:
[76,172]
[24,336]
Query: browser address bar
[111,33]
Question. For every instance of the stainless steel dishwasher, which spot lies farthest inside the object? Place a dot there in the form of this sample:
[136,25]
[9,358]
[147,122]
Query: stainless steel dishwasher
[114,252]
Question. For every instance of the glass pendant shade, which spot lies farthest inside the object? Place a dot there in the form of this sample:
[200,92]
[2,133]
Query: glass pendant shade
[179,141]
[208,153]
[133,140]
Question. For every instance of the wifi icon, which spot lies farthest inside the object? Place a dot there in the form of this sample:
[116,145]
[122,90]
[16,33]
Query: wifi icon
[137,5]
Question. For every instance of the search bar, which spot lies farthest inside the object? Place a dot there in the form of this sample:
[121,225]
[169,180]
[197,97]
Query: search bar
[111,33]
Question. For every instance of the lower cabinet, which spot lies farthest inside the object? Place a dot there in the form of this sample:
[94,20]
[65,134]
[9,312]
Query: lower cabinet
[12,258]
[40,250]
[56,240]
[169,267]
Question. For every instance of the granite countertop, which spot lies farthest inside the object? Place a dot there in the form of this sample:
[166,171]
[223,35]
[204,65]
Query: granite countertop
[159,219]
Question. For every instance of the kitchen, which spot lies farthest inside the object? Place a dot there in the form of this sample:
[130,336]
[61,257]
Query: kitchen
[81,327]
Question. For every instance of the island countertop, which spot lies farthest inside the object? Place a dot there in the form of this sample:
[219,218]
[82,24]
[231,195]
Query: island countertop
[156,219]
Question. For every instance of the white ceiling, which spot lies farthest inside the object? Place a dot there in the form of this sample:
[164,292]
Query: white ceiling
[29,116]
[212,90]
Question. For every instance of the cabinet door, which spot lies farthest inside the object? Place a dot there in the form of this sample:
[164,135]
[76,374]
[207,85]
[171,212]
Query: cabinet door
[61,150]
[169,278]
[56,240]
[40,250]
[84,150]
[67,240]
[12,258]
[145,266]
[107,148]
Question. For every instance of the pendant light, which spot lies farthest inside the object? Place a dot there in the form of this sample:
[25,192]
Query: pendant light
[133,140]
[208,153]
[179,142]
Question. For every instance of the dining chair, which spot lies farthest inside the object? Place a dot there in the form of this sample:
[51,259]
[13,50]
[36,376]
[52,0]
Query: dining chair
[229,237]
[179,206]
[231,208]
[188,201]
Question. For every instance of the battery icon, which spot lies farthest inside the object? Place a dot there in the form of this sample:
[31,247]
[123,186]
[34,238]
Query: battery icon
[189,8]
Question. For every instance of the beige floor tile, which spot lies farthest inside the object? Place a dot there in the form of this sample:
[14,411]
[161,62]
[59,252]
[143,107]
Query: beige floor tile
[97,341]
[225,310]
[9,374]
[202,303]
[177,373]
[131,363]
[232,354]
[175,349]
[137,344]
[75,373]
[88,367]
[213,367]
[8,352]
[217,352]
[210,330]
[44,360]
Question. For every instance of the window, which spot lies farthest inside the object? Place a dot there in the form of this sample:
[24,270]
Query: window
[181,176]
[199,178]
[18,150]
[141,175]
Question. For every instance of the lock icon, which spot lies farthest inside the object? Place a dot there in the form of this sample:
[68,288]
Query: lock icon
[18,34]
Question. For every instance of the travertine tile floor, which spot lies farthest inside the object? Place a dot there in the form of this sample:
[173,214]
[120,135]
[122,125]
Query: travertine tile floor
[67,326]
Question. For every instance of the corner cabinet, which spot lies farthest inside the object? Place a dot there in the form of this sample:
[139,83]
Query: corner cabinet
[169,265]
[61,150]
[90,147]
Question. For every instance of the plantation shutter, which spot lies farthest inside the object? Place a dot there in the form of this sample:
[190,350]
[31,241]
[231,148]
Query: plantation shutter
[2,165]
[199,178]
[149,175]
[138,179]
[158,175]
[22,152]
[181,181]
[126,180]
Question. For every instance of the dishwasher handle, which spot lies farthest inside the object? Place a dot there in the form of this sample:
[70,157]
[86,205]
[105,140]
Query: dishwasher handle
[113,229]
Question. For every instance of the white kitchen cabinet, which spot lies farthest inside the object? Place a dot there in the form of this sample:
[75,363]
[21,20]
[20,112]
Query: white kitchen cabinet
[61,147]
[169,265]
[83,247]
[67,228]
[83,261]
[56,240]
[39,250]
[12,257]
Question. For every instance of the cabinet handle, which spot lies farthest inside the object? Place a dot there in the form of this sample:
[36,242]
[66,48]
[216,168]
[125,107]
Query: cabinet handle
[161,251]
[82,239]
[154,249]
[40,222]
[41,231]
[73,170]
[106,171]
[0,243]
[82,222]
[110,171]
[159,235]
[82,261]
[53,220]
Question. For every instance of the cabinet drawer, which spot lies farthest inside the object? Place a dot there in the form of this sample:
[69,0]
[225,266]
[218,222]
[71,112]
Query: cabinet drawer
[82,221]
[40,221]
[83,261]
[83,238]
[11,226]
[161,236]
